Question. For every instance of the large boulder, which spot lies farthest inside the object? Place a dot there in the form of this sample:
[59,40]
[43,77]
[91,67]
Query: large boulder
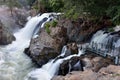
[47,45]
[73,64]
[82,29]
[6,36]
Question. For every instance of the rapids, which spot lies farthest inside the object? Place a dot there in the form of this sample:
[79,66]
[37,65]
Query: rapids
[14,64]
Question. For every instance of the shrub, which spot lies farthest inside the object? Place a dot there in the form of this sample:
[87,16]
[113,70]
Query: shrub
[54,23]
[47,26]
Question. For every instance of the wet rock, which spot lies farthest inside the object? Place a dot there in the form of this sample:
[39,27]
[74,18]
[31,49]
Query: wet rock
[6,36]
[107,73]
[73,48]
[95,63]
[82,29]
[70,65]
[46,46]
[20,16]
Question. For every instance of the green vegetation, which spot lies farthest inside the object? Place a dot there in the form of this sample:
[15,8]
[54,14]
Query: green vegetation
[47,27]
[54,23]
[88,8]
[110,30]
[73,9]
[50,24]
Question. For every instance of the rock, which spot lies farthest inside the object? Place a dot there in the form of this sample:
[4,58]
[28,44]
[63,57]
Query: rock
[15,21]
[46,46]
[95,63]
[84,62]
[82,29]
[20,16]
[6,36]
[78,75]
[69,65]
[73,48]
[111,72]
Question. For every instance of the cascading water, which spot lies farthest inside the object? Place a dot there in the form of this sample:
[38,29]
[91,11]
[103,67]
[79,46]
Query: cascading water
[106,42]
[14,64]
[50,69]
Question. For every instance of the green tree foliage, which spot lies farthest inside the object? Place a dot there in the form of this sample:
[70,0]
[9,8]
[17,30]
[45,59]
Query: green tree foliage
[75,8]
[56,5]
[50,24]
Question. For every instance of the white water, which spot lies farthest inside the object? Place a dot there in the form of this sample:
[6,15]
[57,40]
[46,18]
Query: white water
[102,39]
[50,69]
[14,64]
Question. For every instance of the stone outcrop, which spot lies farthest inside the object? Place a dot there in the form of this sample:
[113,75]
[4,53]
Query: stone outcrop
[20,16]
[84,62]
[107,73]
[82,30]
[6,36]
[47,45]
[13,21]
[73,64]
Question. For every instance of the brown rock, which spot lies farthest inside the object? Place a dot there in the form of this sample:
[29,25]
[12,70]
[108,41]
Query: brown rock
[108,73]
[46,46]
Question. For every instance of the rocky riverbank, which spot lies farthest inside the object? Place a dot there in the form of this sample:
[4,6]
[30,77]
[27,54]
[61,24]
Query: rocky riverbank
[49,42]
[65,32]
[48,45]
[106,73]
[10,23]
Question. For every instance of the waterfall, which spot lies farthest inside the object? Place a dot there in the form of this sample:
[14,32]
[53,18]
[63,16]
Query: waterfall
[47,71]
[106,42]
[14,64]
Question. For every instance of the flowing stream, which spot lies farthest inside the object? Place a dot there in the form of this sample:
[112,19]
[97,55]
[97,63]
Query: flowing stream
[15,65]
[50,69]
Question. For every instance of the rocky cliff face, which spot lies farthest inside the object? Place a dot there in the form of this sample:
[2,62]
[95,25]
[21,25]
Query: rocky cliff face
[82,30]
[6,36]
[11,23]
[15,21]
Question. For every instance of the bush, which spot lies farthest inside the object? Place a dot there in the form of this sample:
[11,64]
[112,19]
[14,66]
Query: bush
[50,24]
[47,26]
[54,23]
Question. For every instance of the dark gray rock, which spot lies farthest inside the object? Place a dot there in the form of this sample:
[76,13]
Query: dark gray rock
[70,65]
[82,30]
[46,46]
[6,36]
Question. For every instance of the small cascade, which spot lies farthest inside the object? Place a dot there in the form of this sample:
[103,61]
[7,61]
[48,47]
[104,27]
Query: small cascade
[14,64]
[106,44]
[47,71]
[105,41]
